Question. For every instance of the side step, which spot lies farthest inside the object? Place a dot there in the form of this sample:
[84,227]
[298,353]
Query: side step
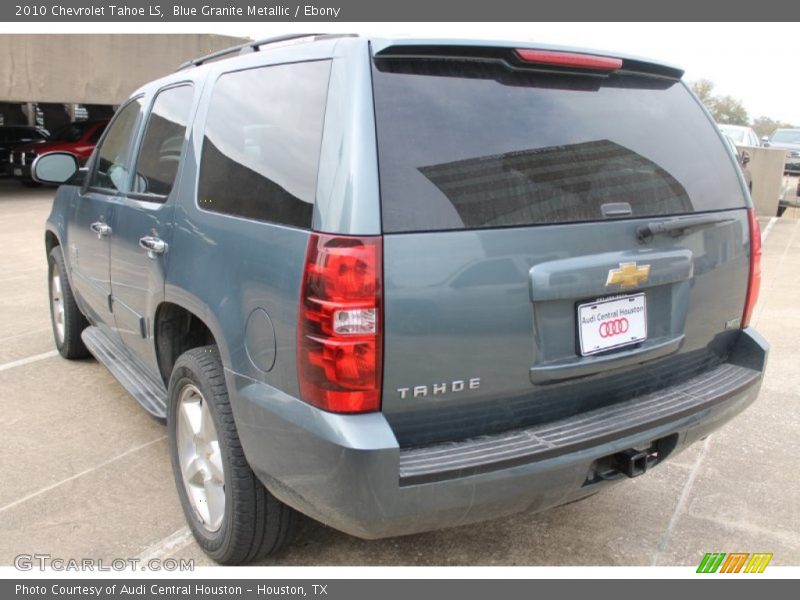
[148,391]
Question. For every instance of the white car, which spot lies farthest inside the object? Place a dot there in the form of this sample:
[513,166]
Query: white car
[741,135]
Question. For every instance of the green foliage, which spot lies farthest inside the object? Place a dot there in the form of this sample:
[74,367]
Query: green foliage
[730,111]
[724,109]
[702,88]
[765,126]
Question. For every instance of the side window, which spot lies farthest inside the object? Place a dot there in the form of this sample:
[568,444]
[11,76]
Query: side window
[160,153]
[262,143]
[109,170]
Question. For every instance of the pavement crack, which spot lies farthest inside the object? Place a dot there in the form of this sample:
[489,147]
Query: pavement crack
[682,503]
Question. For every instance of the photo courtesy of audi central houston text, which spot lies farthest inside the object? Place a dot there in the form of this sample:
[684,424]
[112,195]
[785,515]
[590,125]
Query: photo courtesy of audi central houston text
[357,288]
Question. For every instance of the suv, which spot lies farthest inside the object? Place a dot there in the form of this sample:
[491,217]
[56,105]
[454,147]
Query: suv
[789,140]
[78,138]
[404,285]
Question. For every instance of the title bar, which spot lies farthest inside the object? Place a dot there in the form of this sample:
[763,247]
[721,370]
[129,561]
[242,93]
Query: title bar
[54,11]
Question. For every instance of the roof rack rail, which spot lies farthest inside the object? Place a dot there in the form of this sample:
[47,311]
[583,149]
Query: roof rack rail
[255,46]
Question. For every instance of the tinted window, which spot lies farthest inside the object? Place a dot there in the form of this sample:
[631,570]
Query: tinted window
[262,143]
[71,132]
[161,147]
[468,145]
[110,168]
[20,135]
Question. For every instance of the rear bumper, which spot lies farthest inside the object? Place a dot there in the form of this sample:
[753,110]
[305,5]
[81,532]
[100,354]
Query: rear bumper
[348,472]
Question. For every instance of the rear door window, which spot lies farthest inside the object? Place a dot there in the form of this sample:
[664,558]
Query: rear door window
[161,148]
[262,143]
[464,145]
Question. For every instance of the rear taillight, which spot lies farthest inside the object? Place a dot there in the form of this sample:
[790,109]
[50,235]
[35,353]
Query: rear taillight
[339,330]
[754,282]
[569,59]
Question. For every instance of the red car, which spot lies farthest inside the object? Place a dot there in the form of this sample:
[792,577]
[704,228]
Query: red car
[78,138]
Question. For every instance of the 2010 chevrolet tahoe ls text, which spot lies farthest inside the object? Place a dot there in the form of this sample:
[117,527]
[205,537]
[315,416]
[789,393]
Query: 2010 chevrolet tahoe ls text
[399,285]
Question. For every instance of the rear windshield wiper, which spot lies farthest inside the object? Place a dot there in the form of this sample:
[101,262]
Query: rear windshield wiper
[678,227]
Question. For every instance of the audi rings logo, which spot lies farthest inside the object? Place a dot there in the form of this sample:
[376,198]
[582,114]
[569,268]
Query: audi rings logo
[615,327]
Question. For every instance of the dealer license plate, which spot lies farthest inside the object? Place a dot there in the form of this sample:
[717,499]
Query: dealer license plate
[612,323]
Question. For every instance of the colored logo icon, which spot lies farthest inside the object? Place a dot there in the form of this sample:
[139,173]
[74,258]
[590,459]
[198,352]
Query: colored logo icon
[734,562]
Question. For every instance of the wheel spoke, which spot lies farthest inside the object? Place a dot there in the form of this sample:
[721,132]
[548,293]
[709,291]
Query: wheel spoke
[215,502]
[57,304]
[200,457]
[214,462]
[201,503]
[207,432]
[194,470]
[191,415]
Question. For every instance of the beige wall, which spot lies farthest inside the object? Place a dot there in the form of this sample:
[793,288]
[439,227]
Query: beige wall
[93,68]
[766,171]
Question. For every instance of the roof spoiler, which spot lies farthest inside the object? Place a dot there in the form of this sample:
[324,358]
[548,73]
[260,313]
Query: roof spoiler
[512,57]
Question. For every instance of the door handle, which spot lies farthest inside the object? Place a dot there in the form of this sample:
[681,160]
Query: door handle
[101,229]
[153,245]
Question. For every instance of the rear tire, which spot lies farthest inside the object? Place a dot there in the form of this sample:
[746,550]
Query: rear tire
[65,316]
[231,514]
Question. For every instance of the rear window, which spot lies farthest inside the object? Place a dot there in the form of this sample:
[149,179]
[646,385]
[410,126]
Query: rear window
[787,136]
[736,134]
[71,132]
[465,145]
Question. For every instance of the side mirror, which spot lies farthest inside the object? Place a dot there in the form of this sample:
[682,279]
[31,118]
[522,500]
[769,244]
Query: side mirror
[54,168]
[745,157]
[765,140]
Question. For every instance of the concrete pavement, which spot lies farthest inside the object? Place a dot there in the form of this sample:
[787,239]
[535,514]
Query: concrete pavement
[85,472]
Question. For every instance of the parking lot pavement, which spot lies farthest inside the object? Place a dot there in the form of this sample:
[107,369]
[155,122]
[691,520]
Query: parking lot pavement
[86,471]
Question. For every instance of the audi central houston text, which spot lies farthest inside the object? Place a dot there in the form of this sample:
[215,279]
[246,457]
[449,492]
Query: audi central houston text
[400,285]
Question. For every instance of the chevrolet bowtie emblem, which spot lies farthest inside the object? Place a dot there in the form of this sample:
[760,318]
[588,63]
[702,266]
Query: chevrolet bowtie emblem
[628,275]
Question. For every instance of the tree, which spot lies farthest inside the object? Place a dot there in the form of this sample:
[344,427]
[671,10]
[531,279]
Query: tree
[702,89]
[724,109]
[730,111]
[765,126]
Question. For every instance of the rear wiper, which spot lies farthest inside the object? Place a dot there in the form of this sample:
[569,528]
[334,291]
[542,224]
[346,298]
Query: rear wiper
[677,227]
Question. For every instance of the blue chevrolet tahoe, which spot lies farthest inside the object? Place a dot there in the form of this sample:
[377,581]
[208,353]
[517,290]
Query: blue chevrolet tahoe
[398,285]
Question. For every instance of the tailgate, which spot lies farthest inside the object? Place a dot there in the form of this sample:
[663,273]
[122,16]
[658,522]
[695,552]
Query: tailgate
[553,241]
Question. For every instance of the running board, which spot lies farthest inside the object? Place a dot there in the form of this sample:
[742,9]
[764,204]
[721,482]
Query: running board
[146,390]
